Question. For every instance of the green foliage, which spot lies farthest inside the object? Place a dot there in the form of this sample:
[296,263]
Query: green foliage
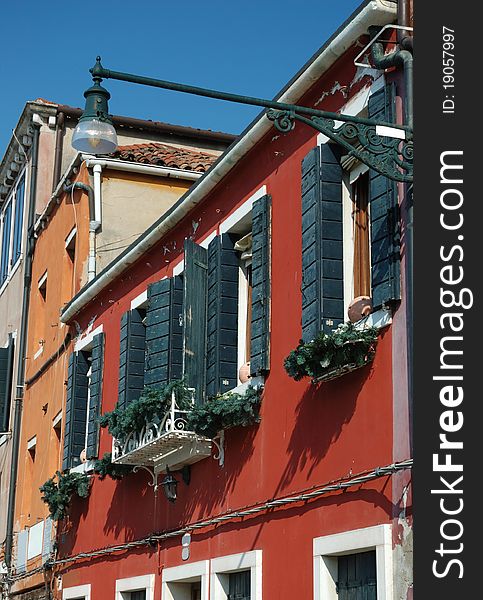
[153,402]
[328,351]
[225,411]
[58,494]
[105,467]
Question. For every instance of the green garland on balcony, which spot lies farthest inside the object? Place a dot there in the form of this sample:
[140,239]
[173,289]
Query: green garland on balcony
[58,494]
[225,411]
[154,401]
[104,467]
[346,345]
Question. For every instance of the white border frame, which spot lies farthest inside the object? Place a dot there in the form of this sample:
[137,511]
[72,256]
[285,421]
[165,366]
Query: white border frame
[133,584]
[84,342]
[77,591]
[326,549]
[181,573]
[242,211]
[236,562]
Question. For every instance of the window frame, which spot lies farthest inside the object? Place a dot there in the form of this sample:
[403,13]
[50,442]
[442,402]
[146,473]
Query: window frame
[11,200]
[76,592]
[196,571]
[135,584]
[327,549]
[224,565]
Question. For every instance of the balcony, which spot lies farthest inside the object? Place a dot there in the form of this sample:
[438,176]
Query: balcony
[164,442]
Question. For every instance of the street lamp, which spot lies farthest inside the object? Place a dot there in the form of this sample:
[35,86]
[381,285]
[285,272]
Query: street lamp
[95,133]
[385,147]
[170,486]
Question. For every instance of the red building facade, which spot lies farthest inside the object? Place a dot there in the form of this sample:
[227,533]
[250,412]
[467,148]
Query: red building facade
[272,222]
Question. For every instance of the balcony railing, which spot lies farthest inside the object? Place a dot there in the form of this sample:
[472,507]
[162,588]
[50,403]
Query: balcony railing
[163,442]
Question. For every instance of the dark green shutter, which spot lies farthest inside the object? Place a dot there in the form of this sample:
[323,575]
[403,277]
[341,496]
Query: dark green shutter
[322,251]
[261,286]
[239,586]
[384,209]
[131,357]
[222,319]
[95,395]
[356,579]
[163,359]
[195,301]
[75,409]
[6,373]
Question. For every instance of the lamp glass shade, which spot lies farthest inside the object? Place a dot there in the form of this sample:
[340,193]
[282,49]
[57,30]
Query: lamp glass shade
[94,137]
[170,485]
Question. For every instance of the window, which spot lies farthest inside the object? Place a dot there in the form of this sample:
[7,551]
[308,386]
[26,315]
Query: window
[11,229]
[84,389]
[135,588]
[354,565]
[237,577]
[188,581]
[42,285]
[356,235]
[6,374]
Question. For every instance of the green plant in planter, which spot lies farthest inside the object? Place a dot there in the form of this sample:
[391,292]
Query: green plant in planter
[345,346]
[153,402]
[104,467]
[58,494]
[225,411]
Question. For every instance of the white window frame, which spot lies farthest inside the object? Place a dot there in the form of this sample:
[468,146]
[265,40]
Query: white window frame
[224,565]
[76,592]
[187,573]
[134,584]
[327,549]
[12,197]
[85,342]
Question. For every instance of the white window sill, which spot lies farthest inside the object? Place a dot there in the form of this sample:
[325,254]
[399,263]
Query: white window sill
[379,319]
[242,388]
[87,467]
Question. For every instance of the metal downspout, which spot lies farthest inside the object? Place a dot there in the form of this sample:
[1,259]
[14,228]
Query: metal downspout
[17,419]
[404,59]
[59,148]
[93,224]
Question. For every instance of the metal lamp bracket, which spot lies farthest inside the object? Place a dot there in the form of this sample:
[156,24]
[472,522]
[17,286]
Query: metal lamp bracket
[219,442]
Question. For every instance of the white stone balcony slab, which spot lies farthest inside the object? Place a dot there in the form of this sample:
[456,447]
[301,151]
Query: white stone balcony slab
[165,442]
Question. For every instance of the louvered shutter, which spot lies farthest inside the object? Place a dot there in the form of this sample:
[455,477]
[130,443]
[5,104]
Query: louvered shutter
[163,358]
[384,209]
[131,357]
[261,286]
[195,308]
[47,540]
[322,251]
[22,545]
[6,373]
[356,578]
[75,409]
[95,396]
[222,318]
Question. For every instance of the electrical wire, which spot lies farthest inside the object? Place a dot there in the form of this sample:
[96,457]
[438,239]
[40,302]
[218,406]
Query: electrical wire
[303,496]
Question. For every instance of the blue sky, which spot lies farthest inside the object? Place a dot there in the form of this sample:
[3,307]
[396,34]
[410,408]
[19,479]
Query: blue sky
[246,46]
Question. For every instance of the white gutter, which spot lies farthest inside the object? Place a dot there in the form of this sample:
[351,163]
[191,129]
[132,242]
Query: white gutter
[376,12]
[97,173]
[119,165]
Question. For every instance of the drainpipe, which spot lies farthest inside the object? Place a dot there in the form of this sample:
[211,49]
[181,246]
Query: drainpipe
[404,39]
[93,225]
[404,59]
[17,418]
[59,147]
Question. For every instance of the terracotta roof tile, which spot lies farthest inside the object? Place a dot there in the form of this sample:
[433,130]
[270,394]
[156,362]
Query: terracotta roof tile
[164,155]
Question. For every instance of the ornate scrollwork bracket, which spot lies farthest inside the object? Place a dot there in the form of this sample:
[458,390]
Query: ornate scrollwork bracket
[154,476]
[219,442]
[390,156]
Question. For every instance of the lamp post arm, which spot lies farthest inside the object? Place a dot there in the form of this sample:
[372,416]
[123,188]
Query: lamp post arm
[99,71]
[390,156]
